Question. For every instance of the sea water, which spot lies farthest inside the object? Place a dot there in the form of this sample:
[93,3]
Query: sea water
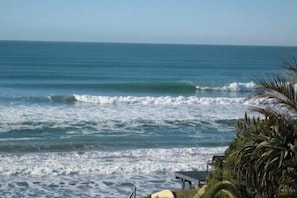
[97,119]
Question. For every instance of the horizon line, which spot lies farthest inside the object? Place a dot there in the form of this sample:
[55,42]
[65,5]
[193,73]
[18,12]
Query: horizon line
[149,43]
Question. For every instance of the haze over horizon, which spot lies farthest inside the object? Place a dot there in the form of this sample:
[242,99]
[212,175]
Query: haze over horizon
[224,22]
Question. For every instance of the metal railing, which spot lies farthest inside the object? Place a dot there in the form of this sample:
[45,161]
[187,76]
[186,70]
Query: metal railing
[133,193]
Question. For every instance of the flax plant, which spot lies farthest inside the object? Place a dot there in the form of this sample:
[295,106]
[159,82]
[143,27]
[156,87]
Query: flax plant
[267,160]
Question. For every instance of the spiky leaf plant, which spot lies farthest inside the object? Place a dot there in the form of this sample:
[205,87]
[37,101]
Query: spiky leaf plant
[261,162]
[269,144]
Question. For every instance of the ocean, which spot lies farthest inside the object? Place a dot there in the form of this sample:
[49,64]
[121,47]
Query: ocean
[97,119]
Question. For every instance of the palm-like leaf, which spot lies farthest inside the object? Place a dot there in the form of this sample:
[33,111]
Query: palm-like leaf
[269,144]
[280,92]
[261,159]
[281,89]
[291,66]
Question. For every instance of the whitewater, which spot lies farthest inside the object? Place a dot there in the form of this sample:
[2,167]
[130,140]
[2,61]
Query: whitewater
[97,119]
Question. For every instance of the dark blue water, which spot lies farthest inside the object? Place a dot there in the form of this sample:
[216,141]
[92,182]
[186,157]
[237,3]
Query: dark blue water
[94,119]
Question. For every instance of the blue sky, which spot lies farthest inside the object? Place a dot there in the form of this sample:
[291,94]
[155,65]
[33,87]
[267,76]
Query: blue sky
[239,22]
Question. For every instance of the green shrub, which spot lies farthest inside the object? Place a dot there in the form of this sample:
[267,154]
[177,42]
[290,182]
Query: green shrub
[261,161]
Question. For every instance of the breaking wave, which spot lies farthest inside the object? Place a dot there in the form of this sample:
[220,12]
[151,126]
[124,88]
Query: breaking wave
[162,100]
[232,87]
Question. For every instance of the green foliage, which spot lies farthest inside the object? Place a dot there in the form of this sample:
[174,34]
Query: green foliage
[224,188]
[261,161]
[225,171]
[266,162]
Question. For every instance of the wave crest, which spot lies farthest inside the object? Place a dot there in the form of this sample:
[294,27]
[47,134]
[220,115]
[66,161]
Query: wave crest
[232,87]
[162,100]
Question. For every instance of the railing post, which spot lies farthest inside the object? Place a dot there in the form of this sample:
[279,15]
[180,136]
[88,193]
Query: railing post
[133,193]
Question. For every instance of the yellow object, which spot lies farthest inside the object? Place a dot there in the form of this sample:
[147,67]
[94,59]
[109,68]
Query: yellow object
[163,194]
[200,192]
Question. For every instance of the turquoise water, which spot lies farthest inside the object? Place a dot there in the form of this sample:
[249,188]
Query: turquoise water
[95,119]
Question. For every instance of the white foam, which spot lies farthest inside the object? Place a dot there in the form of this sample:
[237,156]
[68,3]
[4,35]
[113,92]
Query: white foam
[20,139]
[148,169]
[107,112]
[106,163]
[233,87]
[163,100]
